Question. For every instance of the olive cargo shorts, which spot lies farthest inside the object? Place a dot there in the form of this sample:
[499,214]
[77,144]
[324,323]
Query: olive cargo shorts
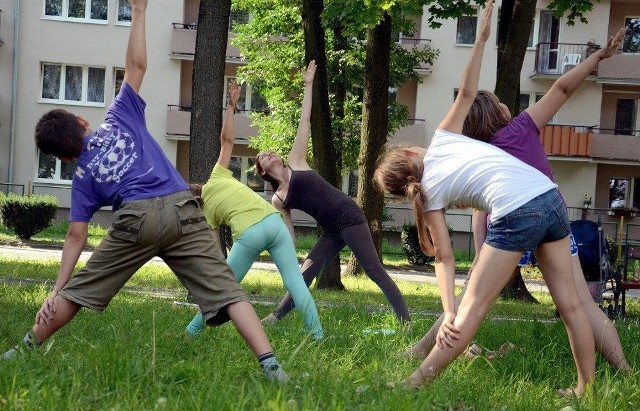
[170,227]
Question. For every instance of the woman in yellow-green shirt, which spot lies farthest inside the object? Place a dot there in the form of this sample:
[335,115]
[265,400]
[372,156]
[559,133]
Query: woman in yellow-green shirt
[256,226]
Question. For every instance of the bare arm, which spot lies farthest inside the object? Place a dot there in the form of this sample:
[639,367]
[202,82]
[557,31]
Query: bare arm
[297,158]
[136,59]
[544,110]
[73,245]
[479,229]
[454,119]
[286,216]
[227,134]
[445,267]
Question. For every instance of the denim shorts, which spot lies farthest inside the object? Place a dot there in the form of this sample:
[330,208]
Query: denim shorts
[544,219]
[529,257]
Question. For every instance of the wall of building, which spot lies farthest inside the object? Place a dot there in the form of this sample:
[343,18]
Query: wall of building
[100,45]
[6,71]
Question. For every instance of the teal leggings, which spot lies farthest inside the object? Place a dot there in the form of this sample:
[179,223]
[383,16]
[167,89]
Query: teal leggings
[271,234]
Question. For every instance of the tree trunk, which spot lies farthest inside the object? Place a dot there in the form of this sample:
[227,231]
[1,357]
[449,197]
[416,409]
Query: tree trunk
[516,289]
[208,92]
[324,152]
[375,123]
[515,24]
[516,18]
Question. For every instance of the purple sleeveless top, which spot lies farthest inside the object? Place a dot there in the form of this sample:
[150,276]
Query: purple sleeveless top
[331,208]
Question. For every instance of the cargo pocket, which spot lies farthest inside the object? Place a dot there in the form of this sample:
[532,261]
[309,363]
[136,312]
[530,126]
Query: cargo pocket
[128,225]
[190,217]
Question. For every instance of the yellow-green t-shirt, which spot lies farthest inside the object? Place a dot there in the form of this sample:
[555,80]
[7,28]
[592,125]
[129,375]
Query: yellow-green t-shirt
[228,201]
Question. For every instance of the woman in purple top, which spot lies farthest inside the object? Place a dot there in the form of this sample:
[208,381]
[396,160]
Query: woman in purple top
[297,186]
[489,120]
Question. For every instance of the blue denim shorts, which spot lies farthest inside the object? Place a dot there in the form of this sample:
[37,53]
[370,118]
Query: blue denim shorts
[544,219]
[529,257]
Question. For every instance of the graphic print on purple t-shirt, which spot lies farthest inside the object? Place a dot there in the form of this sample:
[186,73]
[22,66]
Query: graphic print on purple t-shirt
[116,156]
[121,162]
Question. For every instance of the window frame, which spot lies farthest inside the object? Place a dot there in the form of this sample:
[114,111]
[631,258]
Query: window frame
[245,169]
[627,23]
[248,94]
[58,169]
[84,86]
[65,13]
[116,88]
[475,29]
[118,6]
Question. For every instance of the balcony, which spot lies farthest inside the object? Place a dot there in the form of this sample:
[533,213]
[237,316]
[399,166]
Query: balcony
[421,44]
[566,140]
[591,142]
[413,133]
[179,124]
[183,43]
[555,59]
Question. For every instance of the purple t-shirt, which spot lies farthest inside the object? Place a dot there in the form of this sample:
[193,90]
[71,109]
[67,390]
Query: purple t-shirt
[121,162]
[521,139]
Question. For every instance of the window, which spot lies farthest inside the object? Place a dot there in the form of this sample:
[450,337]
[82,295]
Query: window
[50,168]
[631,41]
[118,78]
[243,169]
[249,100]
[238,17]
[124,11]
[618,192]
[466,31]
[625,116]
[72,84]
[96,10]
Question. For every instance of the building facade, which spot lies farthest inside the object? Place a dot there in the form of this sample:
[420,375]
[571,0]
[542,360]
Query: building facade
[70,54]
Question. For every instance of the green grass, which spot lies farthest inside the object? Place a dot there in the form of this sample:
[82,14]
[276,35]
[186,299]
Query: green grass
[135,355]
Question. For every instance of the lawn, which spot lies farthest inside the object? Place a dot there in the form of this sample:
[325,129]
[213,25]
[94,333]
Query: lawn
[135,354]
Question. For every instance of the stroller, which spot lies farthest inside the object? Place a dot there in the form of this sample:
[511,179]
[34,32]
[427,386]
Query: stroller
[594,254]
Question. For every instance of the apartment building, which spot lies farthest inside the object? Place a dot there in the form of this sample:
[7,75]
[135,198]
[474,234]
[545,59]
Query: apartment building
[70,54]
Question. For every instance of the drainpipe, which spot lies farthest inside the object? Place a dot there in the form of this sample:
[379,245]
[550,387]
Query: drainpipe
[14,87]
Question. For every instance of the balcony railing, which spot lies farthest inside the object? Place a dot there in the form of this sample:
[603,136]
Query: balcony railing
[411,43]
[179,124]
[591,142]
[558,58]
[183,42]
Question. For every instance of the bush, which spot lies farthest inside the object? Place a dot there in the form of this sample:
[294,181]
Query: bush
[27,216]
[411,245]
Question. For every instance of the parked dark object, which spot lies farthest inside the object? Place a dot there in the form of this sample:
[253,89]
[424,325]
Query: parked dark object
[27,216]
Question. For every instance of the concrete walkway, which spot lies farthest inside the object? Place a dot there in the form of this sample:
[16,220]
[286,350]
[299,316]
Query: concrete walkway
[424,275]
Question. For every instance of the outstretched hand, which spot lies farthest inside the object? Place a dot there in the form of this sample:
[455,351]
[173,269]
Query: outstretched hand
[614,43]
[47,309]
[485,23]
[447,333]
[140,3]
[233,91]
[309,73]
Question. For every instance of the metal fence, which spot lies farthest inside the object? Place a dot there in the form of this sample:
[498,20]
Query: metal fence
[6,188]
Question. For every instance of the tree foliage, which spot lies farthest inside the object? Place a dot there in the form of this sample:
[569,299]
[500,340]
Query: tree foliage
[273,43]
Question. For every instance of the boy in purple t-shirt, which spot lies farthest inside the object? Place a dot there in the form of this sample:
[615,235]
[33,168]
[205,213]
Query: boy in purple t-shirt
[121,165]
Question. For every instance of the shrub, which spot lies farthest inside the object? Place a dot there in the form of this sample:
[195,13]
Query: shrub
[27,216]
[411,245]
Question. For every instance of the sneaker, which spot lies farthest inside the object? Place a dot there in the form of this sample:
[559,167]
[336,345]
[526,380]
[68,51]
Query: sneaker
[275,373]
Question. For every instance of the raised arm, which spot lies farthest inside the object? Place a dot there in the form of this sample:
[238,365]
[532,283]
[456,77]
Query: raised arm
[454,119]
[298,156]
[136,59]
[227,134]
[544,110]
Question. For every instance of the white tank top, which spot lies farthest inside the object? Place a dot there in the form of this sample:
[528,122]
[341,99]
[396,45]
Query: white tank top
[463,172]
